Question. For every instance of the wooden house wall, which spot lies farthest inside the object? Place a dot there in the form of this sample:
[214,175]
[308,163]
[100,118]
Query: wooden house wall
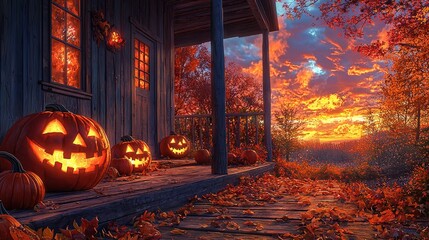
[24,63]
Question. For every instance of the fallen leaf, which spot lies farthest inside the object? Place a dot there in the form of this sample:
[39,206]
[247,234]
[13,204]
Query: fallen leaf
[178,231]
[248,212]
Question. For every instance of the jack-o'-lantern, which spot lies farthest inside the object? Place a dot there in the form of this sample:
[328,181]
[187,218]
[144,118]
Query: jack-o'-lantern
[175,146]
[137,151]
[203,156]
[68,151]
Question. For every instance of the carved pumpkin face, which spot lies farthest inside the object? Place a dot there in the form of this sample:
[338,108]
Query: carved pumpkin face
[137,151]
[175,146]
[68,151]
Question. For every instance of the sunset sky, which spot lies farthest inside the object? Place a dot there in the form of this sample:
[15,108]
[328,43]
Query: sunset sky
[316,68]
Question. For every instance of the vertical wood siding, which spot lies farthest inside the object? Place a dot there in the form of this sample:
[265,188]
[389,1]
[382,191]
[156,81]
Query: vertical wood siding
[24,62]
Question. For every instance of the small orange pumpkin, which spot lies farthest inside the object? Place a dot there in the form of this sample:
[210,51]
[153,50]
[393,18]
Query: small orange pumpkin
[19,189]
[203,156]
[112,173]
[249,157]
[6,222]
[232,159]
[123,165]
[137,151]
[175,146]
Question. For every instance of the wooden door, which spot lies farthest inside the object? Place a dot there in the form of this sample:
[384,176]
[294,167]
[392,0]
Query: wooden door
[144,75]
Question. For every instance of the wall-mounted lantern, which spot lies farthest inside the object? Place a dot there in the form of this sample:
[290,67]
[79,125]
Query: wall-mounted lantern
[114,41]
[104,31]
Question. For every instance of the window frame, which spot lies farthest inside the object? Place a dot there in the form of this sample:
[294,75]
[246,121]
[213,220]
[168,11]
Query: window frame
[149,65]
[47,83]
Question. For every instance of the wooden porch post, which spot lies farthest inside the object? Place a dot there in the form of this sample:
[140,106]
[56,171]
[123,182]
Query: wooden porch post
[219,163]
[267,95]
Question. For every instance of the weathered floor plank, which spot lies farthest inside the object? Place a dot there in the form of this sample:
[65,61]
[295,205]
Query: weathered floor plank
[287,215]
[123,199]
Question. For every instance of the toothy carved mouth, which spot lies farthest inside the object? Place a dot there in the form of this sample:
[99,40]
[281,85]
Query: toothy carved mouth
[77,162]
[178,151]
[138,161]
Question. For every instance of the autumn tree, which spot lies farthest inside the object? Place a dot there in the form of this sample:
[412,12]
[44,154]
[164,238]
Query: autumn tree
[191,64]
[193,84]
[287,129]
[406,89]
[406,19]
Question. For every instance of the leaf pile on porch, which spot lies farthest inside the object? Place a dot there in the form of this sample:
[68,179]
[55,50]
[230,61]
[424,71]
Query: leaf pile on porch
[272,206]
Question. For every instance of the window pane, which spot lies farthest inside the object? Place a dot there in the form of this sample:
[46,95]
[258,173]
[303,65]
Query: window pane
[58,23]
[73,67]
[58,61]
[73,6]
[141,65]
[73,30]
[59,2]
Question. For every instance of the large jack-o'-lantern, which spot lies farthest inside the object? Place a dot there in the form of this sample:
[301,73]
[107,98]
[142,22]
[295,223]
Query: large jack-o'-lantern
[68,151]
[175,146]
[137,151]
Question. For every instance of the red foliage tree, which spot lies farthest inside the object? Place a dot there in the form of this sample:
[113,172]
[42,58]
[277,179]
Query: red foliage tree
[405,18]
[193,84]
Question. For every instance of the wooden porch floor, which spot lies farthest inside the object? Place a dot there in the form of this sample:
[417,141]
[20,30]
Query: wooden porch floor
[284,218]
[126,197]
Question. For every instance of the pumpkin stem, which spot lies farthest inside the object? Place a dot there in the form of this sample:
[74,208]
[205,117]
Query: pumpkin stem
[54,107]
[127,138]
[16,164]
[3,210]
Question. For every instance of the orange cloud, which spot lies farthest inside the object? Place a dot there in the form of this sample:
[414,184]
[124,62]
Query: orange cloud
[304,77]
[358,70]
[330,102]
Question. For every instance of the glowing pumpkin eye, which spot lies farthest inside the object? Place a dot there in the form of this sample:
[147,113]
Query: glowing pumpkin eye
[139,151]
[54,126]
[129,149]
[173,141]
[79,141]
[93,133]
[183,141]
[145,148]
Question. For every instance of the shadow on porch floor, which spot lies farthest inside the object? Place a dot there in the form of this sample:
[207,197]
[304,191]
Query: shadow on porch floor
[122,199]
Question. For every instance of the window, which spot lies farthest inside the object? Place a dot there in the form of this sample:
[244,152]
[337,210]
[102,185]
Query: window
[141,65]
[66,42]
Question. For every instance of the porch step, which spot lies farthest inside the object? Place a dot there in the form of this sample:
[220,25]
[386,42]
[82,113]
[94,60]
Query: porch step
[126,197]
